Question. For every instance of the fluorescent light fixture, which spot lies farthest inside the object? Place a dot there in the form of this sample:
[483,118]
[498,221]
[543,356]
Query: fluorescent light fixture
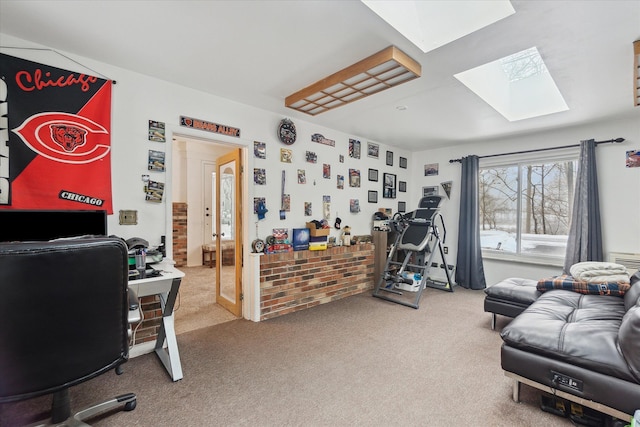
[518,86]
[434,23]
[383,70]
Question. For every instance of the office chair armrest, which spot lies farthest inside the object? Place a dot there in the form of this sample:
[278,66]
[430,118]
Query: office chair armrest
[134,303]
[134,307]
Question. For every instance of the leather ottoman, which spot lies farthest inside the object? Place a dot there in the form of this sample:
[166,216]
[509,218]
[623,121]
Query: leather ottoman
[510,297]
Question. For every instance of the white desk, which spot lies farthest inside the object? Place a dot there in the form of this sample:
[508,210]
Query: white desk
[166,286]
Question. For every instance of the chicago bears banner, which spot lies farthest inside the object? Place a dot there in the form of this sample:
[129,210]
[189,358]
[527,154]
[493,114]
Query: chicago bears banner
[55,138]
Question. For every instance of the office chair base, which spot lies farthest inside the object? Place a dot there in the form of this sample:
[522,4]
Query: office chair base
[124,402]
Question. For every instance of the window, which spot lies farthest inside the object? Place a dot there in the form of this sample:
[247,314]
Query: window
[525,208]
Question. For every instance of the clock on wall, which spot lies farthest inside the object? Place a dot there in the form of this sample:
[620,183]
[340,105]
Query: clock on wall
[287,132]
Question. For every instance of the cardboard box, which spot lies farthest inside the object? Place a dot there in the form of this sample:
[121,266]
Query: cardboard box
[316,231]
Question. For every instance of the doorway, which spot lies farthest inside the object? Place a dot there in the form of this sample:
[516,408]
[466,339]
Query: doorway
[194,176]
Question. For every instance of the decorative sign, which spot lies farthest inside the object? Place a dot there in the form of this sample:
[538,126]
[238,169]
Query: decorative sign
[287,132]
[209,126]
[156,131]
[316,137]
[55,138]
[156,161]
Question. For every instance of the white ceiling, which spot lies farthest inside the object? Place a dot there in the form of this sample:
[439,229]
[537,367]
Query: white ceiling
[259,52]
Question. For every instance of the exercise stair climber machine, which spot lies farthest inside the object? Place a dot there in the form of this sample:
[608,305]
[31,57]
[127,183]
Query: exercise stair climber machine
[418,237]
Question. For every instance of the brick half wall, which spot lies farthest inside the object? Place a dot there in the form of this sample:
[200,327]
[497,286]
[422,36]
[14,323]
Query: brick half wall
[295,281]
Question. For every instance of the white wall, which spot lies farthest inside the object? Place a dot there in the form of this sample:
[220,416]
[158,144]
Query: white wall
[619,202]
[138,98]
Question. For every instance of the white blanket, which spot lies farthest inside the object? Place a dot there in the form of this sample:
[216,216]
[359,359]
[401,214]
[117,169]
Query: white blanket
[592,271]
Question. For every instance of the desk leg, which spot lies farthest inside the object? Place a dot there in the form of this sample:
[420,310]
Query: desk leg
[169,356]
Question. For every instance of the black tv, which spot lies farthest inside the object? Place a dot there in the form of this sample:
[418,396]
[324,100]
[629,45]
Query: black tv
[43,225]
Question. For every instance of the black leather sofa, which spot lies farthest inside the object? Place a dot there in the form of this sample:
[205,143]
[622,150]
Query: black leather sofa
[583,348]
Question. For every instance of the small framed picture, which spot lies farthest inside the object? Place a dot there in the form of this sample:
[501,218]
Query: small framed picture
[156,131]
[403,162]
[373,150]
[389,186]
[285,155]
[354,148]
[373,175]
[402,206]
[259,150]
[429,191]
[354,177]
[402,186]
[373,196]
[633,159]
[431,169]
[389,158]
[311,157]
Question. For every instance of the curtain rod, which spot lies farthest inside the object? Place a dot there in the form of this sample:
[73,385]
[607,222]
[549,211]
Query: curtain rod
[617,141]
[64,56]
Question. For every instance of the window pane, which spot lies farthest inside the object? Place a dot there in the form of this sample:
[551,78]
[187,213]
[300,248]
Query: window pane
[546,212]
[499,208]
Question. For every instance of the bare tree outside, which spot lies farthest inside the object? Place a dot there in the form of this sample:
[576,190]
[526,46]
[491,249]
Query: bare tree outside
[526,208]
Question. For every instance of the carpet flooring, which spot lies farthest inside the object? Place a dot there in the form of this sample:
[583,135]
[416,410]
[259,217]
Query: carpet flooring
[196,306]
[359,361]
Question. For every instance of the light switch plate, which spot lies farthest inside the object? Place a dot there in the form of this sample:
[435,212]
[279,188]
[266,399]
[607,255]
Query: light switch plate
[128,217]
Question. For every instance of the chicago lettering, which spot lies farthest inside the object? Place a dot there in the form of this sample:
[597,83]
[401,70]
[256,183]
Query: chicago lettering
[75,197]
[28,83]
[5,188]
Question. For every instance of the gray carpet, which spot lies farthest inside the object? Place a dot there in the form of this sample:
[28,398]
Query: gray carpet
[358,361]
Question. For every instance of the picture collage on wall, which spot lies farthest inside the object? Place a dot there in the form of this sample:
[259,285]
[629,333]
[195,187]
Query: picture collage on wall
[308,176]
[154,188]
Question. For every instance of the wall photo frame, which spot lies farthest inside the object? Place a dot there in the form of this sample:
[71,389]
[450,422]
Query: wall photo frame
[402,186]
[373,149]
[354,148]
[402,207]
[431,169]
[389,186]
[373,196]
[389,158]
[373,175]
[402,161]
[429,191]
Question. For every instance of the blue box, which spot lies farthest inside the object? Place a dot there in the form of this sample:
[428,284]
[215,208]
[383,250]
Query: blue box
[300,239]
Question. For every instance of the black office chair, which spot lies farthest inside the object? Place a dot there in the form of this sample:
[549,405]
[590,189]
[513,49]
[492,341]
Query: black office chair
[64,309]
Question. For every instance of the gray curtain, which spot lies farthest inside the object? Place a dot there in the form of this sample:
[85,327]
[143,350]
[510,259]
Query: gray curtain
[585,234]
[469,267]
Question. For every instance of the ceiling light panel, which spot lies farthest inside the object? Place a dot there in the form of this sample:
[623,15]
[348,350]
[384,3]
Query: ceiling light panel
[518,86]
[383,70]
[434,23]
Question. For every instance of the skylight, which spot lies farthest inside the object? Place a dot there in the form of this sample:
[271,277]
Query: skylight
[518,86]
[523,64]
[434,23]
